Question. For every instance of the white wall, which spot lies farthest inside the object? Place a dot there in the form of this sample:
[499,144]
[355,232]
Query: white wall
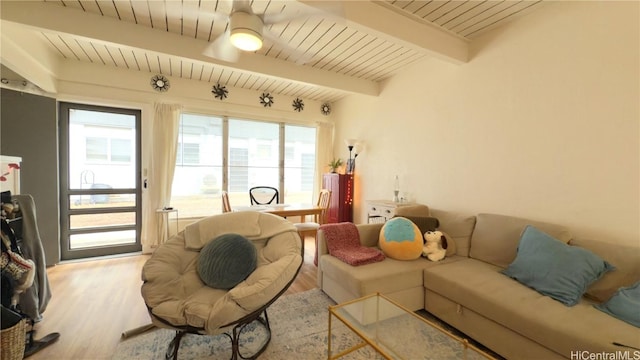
[543,123]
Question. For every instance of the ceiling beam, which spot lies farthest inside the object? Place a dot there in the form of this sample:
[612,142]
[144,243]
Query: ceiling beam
[22,54]
[386,22]
[55,18]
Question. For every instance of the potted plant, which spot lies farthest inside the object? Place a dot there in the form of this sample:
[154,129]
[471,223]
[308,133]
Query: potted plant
[334,164]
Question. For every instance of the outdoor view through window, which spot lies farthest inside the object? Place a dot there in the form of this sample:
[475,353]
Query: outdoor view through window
[254,159]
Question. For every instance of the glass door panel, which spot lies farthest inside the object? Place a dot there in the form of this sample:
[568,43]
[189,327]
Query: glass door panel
[109,238]
[100,173]
[87,221]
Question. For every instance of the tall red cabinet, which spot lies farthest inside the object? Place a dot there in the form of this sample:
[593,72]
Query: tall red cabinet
[341,206]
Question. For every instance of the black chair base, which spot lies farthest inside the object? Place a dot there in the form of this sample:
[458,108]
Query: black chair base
[262,318]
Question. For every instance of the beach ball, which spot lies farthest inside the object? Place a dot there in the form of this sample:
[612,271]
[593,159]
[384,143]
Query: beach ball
[401,239]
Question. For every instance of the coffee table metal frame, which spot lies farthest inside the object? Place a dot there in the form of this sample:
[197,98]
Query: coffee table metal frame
[334,311]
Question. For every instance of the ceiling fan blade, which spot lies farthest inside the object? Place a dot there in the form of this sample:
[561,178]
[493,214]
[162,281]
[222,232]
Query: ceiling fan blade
[298,56]
[202,13]
[323,9]
[221,49]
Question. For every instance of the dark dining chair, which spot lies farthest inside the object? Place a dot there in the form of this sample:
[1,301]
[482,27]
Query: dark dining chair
[262,195]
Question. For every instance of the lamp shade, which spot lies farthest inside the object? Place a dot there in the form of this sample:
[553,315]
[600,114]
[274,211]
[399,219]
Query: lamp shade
[246,31]
[351,142]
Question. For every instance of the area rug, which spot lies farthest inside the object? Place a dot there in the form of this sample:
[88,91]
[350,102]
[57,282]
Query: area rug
[299,325]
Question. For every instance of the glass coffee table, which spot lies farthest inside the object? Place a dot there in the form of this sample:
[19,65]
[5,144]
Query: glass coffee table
[394,332]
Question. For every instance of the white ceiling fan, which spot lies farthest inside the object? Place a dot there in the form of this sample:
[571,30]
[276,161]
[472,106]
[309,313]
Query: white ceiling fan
[247,30]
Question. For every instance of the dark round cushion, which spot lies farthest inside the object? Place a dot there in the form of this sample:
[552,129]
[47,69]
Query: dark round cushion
[227,260]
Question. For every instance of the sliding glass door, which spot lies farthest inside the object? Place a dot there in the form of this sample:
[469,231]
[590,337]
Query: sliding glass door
[99,181]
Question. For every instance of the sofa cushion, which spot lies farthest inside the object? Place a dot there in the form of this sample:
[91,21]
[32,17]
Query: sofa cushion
[625,258]
[413,210]
[387,276]
[451,244]
[458,226]
[481,288]
[624,305]
[495,237]
[554,268]
[424,223]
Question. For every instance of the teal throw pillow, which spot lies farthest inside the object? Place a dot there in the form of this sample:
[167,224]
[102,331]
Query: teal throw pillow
[553,268]
[226,261]
[624,305]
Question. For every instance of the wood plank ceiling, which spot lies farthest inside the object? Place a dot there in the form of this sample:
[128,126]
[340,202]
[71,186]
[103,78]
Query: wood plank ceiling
[326,43]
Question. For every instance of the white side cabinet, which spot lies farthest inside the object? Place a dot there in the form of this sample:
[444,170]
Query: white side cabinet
[379,211]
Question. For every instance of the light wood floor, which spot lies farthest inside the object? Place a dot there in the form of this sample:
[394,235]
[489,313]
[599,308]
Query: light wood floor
[95,301]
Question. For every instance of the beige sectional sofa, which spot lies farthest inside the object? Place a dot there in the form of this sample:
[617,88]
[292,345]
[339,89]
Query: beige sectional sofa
[468,291]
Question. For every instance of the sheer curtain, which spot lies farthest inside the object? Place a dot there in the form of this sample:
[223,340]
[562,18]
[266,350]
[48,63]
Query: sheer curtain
[159,177]
[324,152]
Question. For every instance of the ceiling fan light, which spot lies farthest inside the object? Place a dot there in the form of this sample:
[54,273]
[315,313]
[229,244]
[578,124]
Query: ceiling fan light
[246,41]
[246,31]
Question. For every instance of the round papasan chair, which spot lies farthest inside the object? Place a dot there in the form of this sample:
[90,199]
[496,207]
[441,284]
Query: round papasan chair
[177,297]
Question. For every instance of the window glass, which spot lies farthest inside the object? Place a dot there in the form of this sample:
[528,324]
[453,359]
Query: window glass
[102,150]
[238,170]
[253,155]
[121,150]
[253,149]
[96,149]
[300,163]
[190,153]
[197,180]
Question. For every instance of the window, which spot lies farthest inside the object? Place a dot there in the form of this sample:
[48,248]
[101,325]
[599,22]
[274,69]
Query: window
[238,170]
[102,137]
[96,149]
[197,180]
[299,163]
[253,150]
[105,150]
[258,143]
[188,153]
[121,150]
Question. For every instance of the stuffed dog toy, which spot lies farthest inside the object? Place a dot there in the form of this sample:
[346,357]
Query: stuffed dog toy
[435,246]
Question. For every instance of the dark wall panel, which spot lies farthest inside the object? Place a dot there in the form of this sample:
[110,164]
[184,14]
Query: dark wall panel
[29,129]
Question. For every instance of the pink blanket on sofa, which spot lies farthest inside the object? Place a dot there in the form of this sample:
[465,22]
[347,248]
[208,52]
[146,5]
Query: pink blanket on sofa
[343,242]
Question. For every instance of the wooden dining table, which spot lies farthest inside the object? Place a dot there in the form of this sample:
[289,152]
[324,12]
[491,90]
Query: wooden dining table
[284,210]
